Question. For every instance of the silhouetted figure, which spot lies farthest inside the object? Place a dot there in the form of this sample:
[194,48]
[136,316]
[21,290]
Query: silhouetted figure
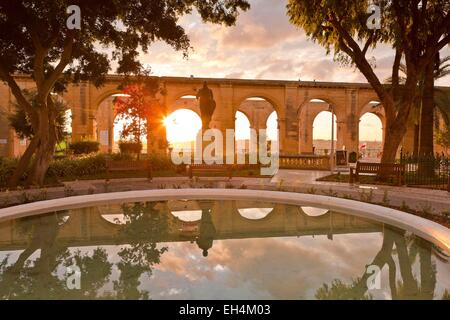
[207,232]
[207,105]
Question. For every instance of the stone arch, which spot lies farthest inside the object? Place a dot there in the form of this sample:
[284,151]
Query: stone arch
[239,135]
[277,105]
[372,151]
[105,116]
[256,111]
[307,114]
[172,107]
[367,101]
[173,95]
[104,95]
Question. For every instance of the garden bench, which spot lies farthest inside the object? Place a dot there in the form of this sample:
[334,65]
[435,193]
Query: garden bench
[380,169]
[195,169]
[128,165]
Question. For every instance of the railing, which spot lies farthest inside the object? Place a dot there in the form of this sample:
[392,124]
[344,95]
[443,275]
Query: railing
[370,153]
[430,172]
[374,153]
[304,162]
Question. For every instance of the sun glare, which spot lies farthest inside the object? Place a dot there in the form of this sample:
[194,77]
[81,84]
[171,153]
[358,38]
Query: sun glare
[182,126]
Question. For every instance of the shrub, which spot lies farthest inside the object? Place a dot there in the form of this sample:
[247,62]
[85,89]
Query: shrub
[78,167]
[7,167]
[84,147]
[129,147]
[161,162]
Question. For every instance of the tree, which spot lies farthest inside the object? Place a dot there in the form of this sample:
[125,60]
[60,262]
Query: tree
[431,102]
[443,139]
[21,124]
[407,249]
[138,109]
[417,31]
[35,39]
[145,224]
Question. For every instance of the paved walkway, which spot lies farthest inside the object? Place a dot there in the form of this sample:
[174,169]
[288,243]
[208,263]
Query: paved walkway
[285,180]
[417,198]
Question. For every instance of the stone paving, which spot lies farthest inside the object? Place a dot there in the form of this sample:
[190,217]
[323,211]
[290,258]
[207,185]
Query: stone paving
[285,180]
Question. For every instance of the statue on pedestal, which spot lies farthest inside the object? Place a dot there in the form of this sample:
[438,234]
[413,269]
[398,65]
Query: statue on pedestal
[207,105]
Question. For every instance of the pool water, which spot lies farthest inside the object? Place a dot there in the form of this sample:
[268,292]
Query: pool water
[208,249]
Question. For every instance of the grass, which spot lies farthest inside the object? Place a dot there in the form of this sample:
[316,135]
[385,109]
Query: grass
[345,178]
[435,183]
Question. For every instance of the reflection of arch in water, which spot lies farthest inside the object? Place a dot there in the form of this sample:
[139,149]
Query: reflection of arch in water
[114,218]
[250,216]
[188,215]
[253,210]
[184,210]
[314,211]
[254,213]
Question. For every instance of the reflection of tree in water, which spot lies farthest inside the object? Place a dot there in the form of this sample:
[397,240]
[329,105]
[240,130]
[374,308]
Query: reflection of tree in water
[145,224]
[407,249]
[41,278]
[26,279]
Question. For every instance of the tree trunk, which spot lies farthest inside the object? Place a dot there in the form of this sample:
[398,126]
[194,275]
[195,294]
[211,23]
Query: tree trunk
[46,149]
[427,114]
[24,163]
[427,270]
[416,140]
[426,150]
[394,136]
[44,156]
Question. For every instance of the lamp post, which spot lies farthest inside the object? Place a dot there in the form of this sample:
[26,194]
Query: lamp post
[332,139]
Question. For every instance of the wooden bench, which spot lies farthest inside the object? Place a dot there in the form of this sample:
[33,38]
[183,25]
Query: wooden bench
[380,169]
[128,165]
[210,168]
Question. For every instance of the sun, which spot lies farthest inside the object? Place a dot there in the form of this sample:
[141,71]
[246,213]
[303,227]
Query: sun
[182,126]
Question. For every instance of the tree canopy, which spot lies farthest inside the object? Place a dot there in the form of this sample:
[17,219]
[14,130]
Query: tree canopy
[35,39]
[416,30]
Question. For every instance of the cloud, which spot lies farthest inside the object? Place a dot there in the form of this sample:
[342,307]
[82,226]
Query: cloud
[262,44]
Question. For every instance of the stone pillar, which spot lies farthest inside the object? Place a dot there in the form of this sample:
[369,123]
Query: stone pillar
[224,116]
[306,131]
[6,133]
[348,125]
[156,131]
[290,143]
[83,127]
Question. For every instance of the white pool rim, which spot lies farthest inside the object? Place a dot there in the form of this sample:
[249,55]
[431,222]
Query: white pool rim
[426,229]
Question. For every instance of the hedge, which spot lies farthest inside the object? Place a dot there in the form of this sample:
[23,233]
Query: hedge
[7,167]
[128,147]
[84,147]
[81,166]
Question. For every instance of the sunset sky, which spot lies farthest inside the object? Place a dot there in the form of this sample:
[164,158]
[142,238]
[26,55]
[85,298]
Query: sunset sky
[264,45]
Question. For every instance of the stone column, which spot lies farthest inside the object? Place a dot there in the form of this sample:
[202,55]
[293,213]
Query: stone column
[156,131]
[290,143]
[348,123]
[306,131]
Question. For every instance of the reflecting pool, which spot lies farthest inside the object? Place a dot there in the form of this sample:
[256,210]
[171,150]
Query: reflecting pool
[208,249]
